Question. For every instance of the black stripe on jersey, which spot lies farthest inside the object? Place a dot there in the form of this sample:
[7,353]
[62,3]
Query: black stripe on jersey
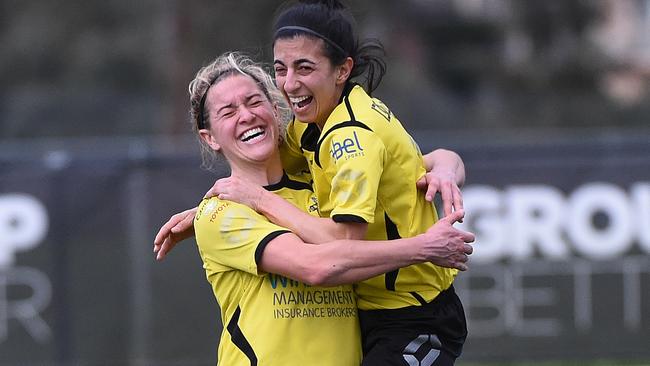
[391,234]
[348,106]
[309,138]
[349,218]
[239,339]
[336,127]
[286,182]
[264,242]
[419,298]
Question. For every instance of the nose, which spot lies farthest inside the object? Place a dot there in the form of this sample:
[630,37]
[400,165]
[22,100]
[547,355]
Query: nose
[245,114]
[291,83]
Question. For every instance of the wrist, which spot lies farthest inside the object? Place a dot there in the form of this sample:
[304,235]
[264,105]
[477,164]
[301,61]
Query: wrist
[416,249]
[259,200]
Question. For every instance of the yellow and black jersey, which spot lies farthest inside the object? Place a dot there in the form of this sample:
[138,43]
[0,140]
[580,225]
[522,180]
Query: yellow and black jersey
[364,166]
[269,319]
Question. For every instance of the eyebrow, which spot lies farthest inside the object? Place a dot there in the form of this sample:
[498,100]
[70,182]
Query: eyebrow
[246,99]
[230,105]
[297,62]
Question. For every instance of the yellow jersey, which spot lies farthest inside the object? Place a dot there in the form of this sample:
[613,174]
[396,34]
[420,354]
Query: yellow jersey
[269,319]
[364,167]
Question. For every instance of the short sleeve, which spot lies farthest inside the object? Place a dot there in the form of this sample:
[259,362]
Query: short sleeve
[354,156]
[232,236]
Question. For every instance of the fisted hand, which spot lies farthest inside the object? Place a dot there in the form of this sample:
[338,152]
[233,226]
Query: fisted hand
[447,246]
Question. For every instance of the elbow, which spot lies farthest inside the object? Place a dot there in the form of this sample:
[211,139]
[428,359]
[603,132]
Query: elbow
[322,275]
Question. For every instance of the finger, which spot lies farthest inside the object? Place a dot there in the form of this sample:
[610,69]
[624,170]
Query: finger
[458,199]
[211,192]
[447,198]
[161,254]
[432,189]
[461,267]
[468,237]
[455,216]
[164,249]
[468,249]
[216,188]
[165,230]
[183,225]
[421,183]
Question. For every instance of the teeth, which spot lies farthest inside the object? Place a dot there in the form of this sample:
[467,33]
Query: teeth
[253,131]
[297,100]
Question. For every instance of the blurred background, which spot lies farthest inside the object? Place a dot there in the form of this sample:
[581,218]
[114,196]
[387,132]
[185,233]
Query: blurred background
[546,101]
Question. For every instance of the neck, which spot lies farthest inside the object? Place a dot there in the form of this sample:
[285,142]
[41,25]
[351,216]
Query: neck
[263,173]
[340,89]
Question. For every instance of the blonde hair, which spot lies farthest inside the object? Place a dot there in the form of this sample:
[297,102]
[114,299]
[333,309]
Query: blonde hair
[226,65]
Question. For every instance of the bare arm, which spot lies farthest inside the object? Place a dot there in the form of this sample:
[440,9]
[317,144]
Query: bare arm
[445,174]
[310,228]
[349,261]
[313,229]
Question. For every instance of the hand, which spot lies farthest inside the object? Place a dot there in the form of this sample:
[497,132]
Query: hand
[178,228]
[447,246]
[237,190]
[445,183]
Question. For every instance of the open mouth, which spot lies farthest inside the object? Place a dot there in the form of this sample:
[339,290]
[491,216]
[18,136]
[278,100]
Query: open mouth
[252,134]
[301,102]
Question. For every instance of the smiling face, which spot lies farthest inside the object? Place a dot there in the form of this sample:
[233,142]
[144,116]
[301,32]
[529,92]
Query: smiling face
[307,78]
[242,120]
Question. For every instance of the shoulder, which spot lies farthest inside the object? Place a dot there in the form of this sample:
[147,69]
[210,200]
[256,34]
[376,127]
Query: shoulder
[217,214]
[369,109]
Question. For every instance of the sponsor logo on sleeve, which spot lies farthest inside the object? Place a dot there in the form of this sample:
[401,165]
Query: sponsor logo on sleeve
[349,147]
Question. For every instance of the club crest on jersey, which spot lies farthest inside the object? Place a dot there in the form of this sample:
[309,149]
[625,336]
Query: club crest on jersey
[381,108]
[350,147]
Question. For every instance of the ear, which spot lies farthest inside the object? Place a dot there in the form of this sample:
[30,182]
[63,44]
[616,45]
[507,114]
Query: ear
[344,71]
[207,137]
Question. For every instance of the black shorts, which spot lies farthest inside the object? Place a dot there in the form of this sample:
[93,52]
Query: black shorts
[429,335]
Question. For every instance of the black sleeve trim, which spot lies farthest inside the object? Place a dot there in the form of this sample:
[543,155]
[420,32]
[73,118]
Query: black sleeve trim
[239,339]
[264,242]
[349,218]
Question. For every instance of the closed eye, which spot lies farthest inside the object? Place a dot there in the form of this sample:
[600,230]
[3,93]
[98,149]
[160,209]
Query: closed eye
[255,102]
[226,113]
[280,71]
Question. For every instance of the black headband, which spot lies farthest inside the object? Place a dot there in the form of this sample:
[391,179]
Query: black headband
[200,123]
[312,32]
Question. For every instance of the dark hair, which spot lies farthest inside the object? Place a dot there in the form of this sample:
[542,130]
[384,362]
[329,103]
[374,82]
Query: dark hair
[332,22]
